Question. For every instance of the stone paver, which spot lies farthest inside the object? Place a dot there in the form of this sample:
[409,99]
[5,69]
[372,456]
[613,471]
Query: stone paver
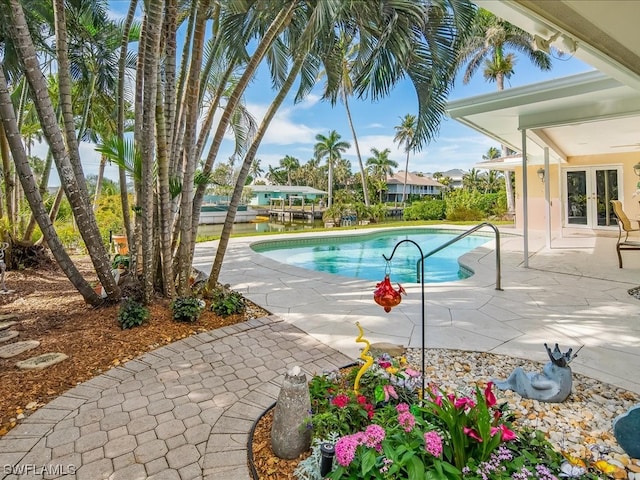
[184,411]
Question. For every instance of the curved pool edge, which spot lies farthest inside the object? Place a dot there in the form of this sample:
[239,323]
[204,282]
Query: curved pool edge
[469,261]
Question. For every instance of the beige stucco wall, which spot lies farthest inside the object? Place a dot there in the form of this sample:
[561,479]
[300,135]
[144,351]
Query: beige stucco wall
[537,203]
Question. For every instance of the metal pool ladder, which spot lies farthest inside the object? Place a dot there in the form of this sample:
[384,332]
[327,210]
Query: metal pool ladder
[461,236]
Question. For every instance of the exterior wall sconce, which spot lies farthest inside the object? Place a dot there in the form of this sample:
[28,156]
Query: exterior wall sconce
[541,173]
[636,169]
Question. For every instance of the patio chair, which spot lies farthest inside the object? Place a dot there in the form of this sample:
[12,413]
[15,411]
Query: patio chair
[624,225]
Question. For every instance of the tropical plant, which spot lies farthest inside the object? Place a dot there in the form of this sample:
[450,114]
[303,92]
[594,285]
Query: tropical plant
[227,302]
[132,314]
[425,210]
[331,147]
[405,136]
[187,309]
[486,46]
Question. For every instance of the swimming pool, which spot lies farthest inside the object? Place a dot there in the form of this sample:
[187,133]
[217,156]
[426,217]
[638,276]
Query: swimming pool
[360,256]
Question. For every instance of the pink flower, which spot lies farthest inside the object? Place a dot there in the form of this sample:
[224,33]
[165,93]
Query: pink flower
[507,435]
[488,394]
[411,372]
[374,434]
[402,407]
[384,363]
[406,421]
[389,391]
[438,400]
[433,443]
[472,433]
[464,402]
[340,401]
[346,450]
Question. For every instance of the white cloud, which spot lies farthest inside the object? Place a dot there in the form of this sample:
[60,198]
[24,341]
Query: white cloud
[282,129]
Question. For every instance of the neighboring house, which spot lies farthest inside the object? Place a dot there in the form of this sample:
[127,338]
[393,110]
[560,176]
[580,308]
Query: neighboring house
[577,137]
[417,185]
[263,195]
[456,176]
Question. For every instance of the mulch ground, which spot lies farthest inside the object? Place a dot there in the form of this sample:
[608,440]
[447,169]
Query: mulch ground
[52,312]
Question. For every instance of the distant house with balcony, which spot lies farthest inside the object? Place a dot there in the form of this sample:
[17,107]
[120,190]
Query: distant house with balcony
[265,195]
[417,185]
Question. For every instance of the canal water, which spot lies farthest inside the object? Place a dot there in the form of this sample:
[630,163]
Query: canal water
[260,227]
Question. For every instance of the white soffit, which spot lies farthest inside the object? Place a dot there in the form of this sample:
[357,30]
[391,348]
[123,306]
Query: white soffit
[605,31]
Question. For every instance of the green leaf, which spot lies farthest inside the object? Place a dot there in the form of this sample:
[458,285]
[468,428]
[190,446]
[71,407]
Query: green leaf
[378,393]
[415,469]
[368,462]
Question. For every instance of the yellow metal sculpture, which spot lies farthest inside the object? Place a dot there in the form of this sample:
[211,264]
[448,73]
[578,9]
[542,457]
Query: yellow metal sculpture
[368,359]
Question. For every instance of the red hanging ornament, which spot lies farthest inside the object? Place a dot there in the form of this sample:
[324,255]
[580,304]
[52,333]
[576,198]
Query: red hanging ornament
[386,296]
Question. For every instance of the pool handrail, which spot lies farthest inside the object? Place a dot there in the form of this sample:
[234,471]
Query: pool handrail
[460,237]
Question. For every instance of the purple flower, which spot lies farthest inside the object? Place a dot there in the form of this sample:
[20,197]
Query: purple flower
[433,443]
[402,407]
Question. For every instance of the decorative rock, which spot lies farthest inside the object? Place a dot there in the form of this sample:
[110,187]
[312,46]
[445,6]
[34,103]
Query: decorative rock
[393,350]
[8,323]
[288,439]
[626,429]
[6,335]
[7,317]
[41,361]
[17,348]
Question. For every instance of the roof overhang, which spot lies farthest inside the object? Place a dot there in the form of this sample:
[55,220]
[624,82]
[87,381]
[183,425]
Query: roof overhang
[605,33]
[585,114]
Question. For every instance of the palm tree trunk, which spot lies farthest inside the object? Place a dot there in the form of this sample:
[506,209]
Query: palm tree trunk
[44,182]
[363,173]
[122,175]
[279,23]
[244,171]
[187,233]
[150,44]
[71,183]
[7,114]
[404,185]
[103,164]
[9,185]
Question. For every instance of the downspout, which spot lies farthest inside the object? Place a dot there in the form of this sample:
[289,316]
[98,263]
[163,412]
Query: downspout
[547,194]
[525,200]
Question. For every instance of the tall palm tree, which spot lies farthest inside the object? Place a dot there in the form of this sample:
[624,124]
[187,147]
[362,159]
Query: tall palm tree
[491,154]
[486,47]
[331,147]
[289,164]
[472,180]
[405,135]
[255,170]
[345,53]
[380,166]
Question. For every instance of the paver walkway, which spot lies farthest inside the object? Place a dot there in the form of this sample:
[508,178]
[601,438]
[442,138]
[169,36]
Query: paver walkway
[180,412]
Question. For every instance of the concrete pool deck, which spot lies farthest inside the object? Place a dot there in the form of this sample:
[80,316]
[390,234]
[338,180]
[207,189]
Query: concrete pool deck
[573,294]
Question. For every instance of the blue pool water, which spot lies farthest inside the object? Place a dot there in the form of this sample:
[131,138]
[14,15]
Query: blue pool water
[360,256]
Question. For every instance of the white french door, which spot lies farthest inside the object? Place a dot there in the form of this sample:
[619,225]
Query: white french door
[587,195]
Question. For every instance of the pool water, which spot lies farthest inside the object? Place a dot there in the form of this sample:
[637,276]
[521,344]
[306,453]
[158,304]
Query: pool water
[360,256]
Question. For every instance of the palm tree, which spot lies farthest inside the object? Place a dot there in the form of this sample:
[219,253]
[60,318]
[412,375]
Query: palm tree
[345,53]
[289,164]
[472,180]
[485,46]
[405,135]
[255,170]
[380,166]
[332,148]
[491,154]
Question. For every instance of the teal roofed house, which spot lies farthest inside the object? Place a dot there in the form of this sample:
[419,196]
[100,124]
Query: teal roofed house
[263,195]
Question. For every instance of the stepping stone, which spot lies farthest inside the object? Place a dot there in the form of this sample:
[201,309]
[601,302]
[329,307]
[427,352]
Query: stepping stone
[5,325]
[17,348]
[7,317]
[6,335]
[41,361]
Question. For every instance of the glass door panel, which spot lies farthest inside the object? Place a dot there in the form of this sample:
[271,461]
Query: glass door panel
[606,190]
[577,197]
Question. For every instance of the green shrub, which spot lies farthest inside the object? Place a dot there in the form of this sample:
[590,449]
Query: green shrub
[132,314]
[227,302]
[120,261]
[464,214]
[187,309]
[425,210]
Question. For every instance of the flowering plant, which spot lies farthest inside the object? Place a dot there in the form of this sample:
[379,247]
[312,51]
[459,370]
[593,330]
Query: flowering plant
[407,448]
[475,425]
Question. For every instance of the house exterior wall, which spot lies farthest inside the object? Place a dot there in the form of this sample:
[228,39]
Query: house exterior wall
[537,204]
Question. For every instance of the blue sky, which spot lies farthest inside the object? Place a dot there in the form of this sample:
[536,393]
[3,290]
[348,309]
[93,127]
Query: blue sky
[293,130]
